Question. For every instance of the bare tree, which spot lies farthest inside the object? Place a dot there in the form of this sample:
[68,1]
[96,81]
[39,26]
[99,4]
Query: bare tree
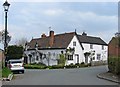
[2,36]
[21,42]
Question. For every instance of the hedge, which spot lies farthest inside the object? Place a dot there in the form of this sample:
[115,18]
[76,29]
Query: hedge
[114,65]
[28,66]
[59,66]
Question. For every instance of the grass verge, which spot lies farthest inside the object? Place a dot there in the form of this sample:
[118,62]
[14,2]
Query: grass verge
[6,72]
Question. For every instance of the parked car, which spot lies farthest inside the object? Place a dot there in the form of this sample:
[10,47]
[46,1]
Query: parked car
[16,65]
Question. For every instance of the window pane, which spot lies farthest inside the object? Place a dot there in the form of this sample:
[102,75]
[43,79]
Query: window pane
[74,43]
[91,46]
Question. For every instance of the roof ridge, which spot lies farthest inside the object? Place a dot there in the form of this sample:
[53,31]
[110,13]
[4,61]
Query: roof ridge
[54,35]
[89,36]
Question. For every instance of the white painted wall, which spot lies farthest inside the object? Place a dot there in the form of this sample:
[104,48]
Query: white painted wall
[98,50]
[52,59]
[78,50]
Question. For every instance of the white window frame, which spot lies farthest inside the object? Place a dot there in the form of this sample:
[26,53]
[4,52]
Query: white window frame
[74,43]
[98,56]
[91,46]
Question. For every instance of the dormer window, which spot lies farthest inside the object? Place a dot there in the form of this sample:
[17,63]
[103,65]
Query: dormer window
[91,46]
[74,43]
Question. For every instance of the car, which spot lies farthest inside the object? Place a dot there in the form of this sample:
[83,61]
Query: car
[16,65]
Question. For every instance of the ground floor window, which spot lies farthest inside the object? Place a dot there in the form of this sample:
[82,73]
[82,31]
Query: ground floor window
[98,56]
[70,57]
[37,58]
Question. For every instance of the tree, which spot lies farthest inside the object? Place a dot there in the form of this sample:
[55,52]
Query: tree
[14,52]
[21,42]
[2,36]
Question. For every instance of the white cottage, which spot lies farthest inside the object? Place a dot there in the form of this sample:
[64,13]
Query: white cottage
[80,48]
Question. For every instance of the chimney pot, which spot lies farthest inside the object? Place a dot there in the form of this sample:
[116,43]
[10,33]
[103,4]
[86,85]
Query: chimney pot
[43,36]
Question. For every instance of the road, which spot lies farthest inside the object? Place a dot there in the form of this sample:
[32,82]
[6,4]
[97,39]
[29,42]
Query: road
[79,76]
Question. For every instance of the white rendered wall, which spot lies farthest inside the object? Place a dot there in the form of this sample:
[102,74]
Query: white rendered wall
[98,50]
[78,50]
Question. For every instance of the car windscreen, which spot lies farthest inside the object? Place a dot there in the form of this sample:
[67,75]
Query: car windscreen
[15,62]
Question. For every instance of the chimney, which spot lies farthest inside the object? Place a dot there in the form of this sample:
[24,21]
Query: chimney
[43,35]
[84,34]
[51,41]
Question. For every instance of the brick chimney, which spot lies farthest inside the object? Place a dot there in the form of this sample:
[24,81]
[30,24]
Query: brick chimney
[43,35]
[51,40]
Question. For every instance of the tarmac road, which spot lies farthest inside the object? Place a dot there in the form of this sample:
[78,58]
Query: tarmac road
[79,76]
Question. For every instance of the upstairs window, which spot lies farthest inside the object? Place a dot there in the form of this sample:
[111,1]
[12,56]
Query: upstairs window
[74,43]
[91,46]
[102,47]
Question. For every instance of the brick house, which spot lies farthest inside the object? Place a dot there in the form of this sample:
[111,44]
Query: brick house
[114,46]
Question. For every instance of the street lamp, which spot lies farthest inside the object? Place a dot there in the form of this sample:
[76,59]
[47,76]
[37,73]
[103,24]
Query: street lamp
[6,7]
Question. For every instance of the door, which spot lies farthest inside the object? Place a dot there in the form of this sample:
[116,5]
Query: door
[77,58]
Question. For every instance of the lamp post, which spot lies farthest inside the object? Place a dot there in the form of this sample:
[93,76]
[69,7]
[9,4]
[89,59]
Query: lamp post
[6,7]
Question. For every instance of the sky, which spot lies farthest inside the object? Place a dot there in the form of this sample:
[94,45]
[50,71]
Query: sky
[30,19]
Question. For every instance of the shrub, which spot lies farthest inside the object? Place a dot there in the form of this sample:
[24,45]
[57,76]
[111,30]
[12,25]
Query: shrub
[71,66]
[28,66]
[114,65]
[5,72]
[82,63]
[56,67]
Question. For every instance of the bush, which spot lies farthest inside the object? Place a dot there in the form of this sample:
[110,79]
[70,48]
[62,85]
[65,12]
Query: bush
[28,66]
[71,66]
[56,67]
[114,65]
[5,72]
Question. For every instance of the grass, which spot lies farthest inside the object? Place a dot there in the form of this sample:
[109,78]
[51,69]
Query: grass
[6,72]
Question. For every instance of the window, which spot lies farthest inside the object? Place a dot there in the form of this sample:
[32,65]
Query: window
[74,43]
[91,46]
[37,58]
[70,57]
[98,56]
[102,47]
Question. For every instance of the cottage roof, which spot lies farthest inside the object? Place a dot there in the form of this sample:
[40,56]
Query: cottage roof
[60,41]
[63,40]
[91,40]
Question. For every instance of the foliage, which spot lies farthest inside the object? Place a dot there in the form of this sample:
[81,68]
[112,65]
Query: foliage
[56,67]
[114,65]
[40,64]
[14,52]
[62,60]
[28,66]
[21,42]
[59,66]
[71,66]
[3,36]
[6,72]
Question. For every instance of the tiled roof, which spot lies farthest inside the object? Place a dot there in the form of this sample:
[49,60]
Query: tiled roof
[60,41]
[63,40]
[91,40]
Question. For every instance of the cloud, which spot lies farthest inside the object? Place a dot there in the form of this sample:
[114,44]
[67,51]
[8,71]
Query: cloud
[34,19]
[53,12]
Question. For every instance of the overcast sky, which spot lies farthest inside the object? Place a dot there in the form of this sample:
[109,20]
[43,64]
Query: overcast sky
[31,19]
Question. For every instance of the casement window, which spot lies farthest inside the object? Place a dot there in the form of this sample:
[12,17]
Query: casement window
[98,56]
[74,43]
[70,57]
[102,47]
[91,46]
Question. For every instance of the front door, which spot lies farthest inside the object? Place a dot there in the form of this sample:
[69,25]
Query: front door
[77,58]
[86,59]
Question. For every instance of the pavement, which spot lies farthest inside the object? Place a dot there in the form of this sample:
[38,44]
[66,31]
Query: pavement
[109,76]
